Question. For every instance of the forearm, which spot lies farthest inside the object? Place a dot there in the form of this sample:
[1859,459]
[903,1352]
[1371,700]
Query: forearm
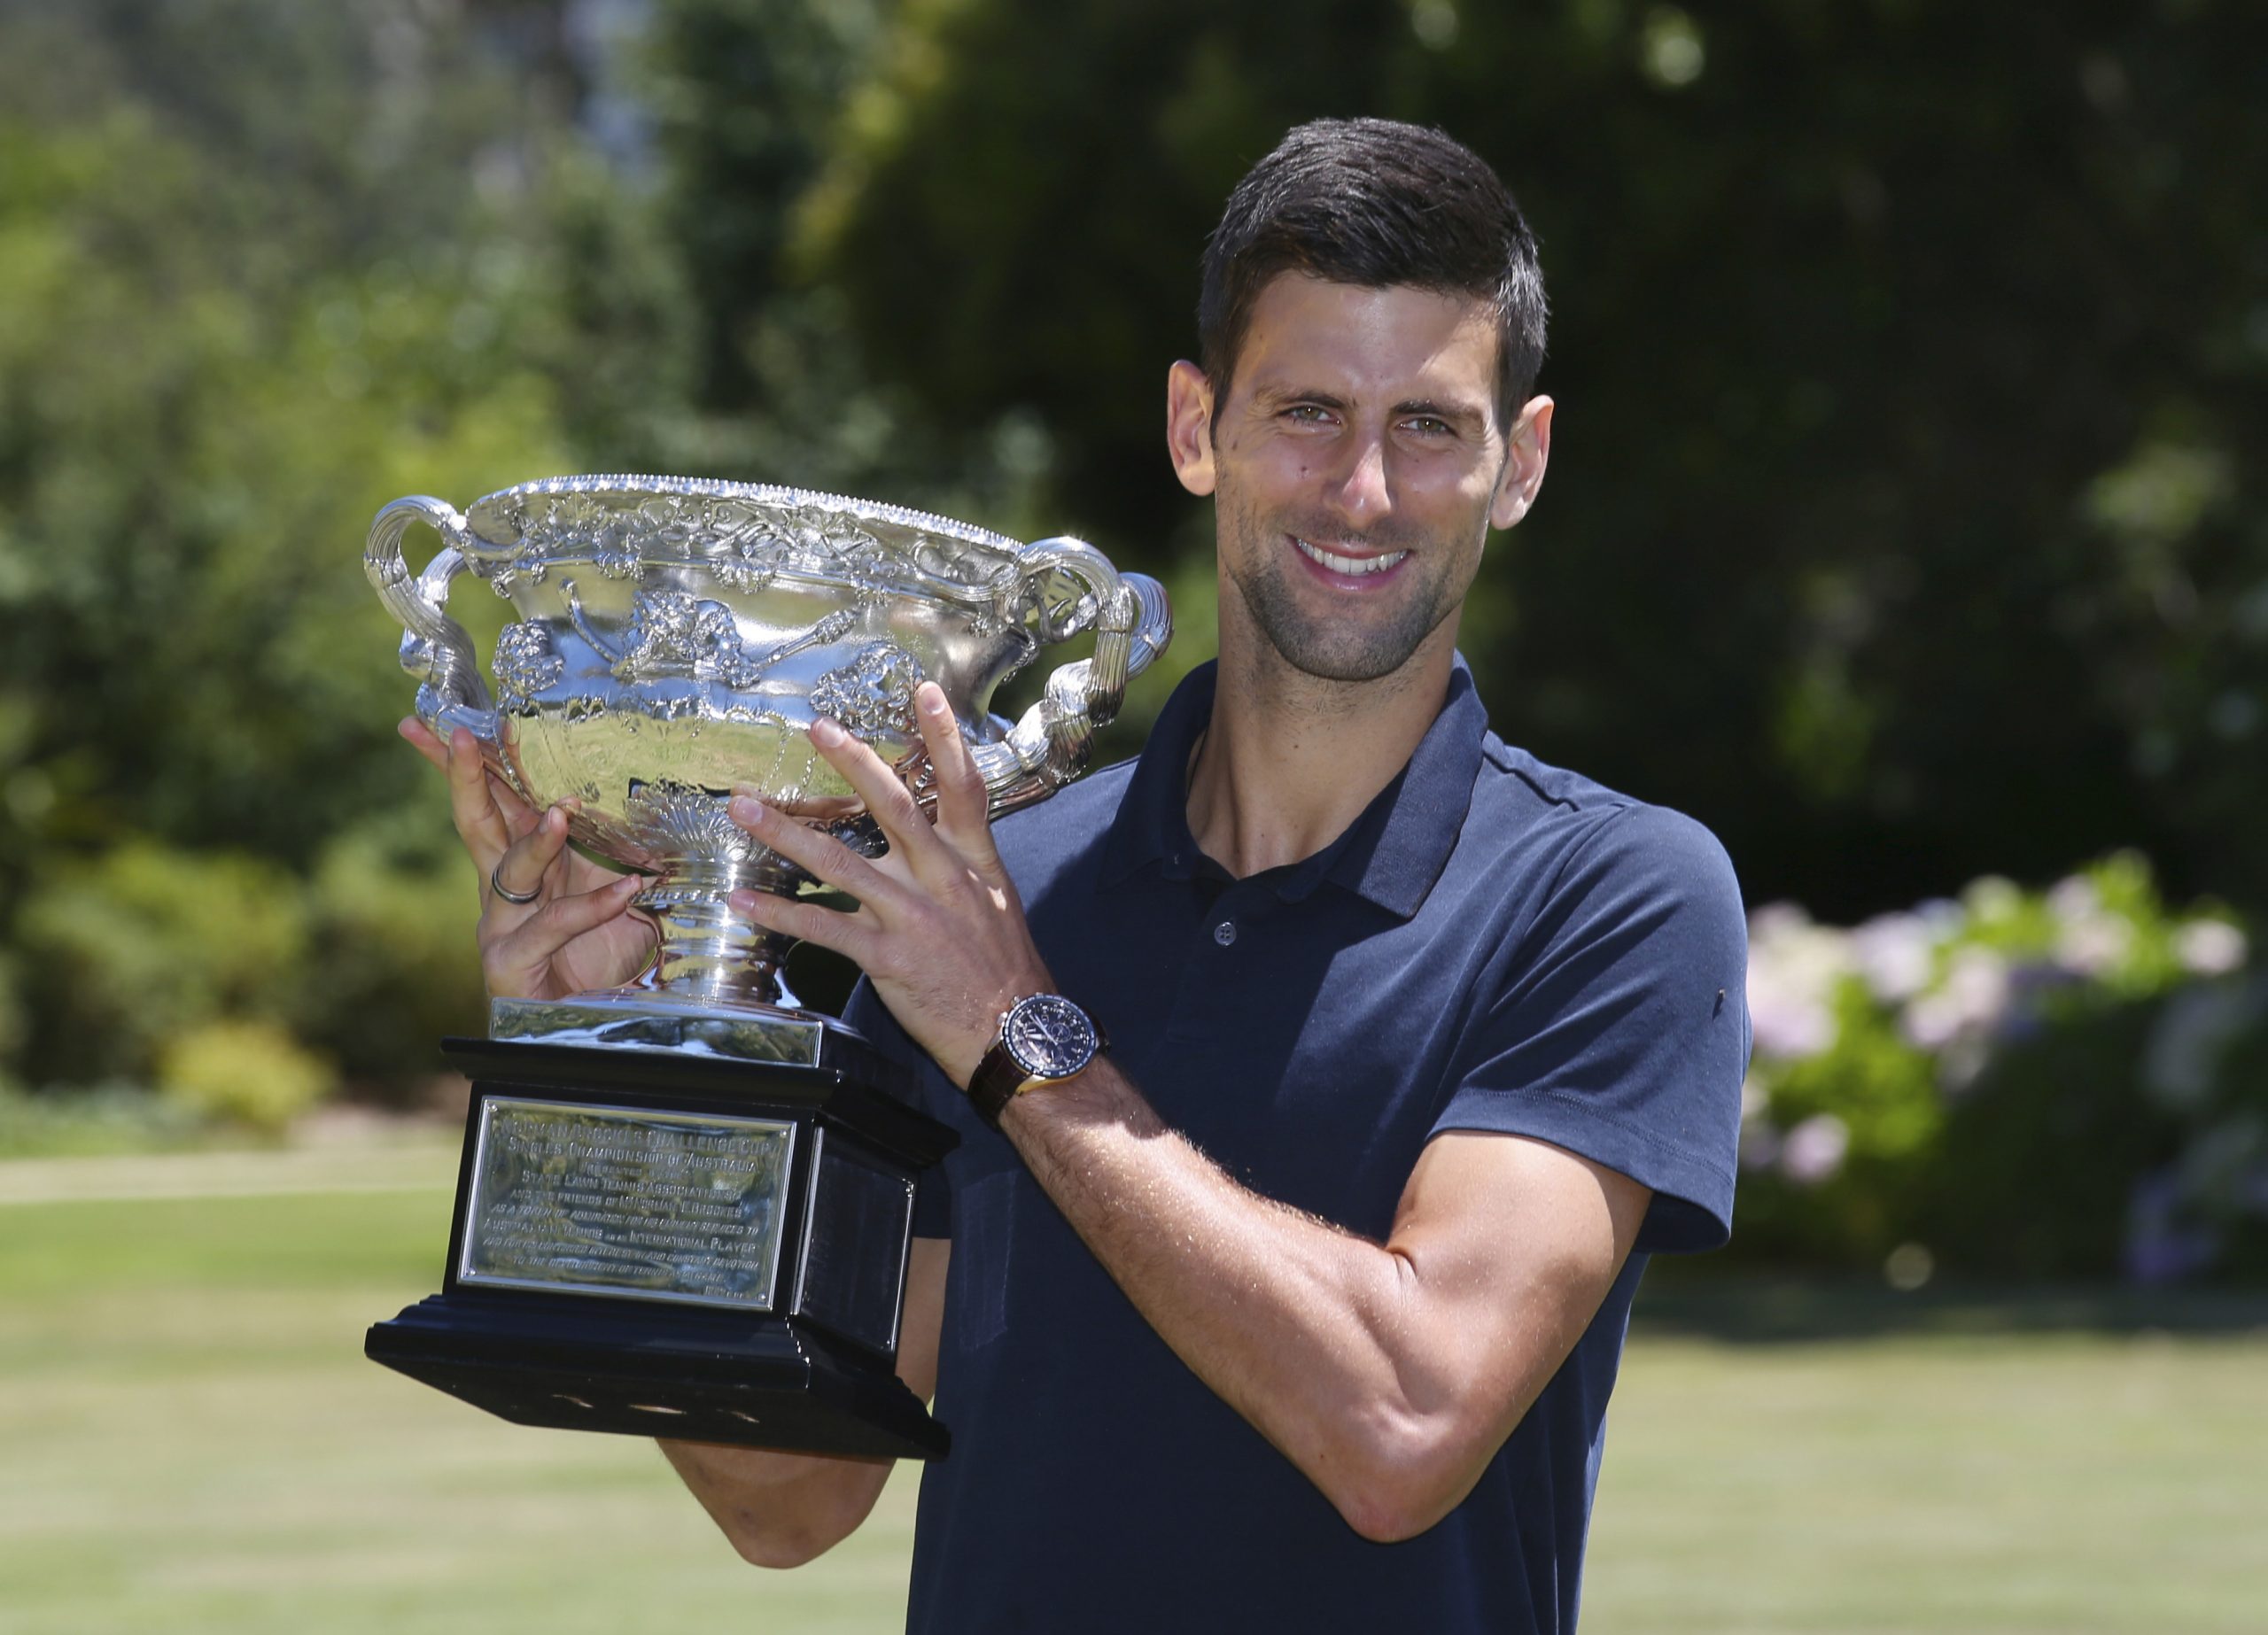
[779,1509]
[782,1509]
[1356,1359]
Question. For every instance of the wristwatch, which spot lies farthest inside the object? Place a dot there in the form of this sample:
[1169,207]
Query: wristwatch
[1043,1040]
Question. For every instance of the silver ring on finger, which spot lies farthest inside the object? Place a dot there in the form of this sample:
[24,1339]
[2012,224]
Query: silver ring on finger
[518,899]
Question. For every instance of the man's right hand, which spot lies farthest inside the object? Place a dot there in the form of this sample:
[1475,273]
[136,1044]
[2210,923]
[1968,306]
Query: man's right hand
[578,932]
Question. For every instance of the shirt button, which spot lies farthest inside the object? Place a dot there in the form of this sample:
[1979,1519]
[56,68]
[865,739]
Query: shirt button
[1225,933]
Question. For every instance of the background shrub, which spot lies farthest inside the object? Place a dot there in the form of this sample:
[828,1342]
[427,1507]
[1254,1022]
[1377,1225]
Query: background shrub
[243,1071]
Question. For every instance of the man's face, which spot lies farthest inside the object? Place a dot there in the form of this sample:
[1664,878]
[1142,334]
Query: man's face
[1357,465]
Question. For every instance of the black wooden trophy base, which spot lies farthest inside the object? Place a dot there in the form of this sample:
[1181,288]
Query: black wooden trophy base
[801,1358]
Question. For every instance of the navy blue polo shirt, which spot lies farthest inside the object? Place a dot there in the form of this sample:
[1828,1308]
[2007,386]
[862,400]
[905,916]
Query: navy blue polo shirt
[1494,945]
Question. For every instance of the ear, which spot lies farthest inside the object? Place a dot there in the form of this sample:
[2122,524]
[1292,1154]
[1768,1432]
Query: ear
[1189,426]
[1529,452]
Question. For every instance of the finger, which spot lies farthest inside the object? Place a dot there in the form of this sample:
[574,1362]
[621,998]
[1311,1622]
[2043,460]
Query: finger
[517,959]
[820,854]
[480,824]
[420,738]
[889,802]
[850,935]
[526,863]
[964,813]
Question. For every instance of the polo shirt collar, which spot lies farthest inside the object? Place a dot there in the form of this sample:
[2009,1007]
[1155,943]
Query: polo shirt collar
[1390,856]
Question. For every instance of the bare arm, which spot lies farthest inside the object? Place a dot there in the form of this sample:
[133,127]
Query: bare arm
[1390,1374]
[783,1509]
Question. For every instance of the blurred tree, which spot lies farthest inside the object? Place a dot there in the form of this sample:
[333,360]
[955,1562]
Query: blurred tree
[262,268]
[1910,357]
[1906,353]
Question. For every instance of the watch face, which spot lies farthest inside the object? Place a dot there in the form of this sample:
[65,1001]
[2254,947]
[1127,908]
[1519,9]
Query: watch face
[1049,1037]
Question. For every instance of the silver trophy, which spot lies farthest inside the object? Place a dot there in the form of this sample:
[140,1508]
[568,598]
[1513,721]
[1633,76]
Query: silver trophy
[686,1204]
[676,639]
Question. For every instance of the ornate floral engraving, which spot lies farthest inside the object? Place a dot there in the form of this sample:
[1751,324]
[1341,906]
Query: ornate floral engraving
[871,694]
[682,819]
[747,557]
[617,559]
[526,664]
[746,535]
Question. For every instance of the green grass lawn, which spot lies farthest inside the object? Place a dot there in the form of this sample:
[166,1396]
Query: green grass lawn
[191,1440]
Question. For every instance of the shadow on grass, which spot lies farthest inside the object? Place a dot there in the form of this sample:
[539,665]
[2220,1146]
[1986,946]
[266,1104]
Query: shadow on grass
[1687,1301]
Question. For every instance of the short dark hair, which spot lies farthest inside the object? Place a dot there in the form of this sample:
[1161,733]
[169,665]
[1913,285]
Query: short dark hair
[1375,203]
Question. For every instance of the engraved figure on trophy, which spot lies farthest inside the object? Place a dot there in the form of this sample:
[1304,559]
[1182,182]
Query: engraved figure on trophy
[684,1202]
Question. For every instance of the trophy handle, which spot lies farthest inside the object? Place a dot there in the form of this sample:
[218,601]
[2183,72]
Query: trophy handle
[1132,623]
[451,691]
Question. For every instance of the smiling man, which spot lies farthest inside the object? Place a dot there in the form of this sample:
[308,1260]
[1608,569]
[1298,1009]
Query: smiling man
[1296,1304]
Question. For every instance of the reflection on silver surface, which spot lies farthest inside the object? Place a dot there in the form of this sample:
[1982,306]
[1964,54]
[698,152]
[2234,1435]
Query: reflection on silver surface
[683,1207]
[675,639]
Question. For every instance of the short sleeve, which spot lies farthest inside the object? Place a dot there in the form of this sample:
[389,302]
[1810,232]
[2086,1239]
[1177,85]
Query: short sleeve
[866,1015]
[1619,1029]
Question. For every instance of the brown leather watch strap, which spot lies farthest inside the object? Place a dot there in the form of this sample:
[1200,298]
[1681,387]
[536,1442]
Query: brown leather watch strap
[995,1080]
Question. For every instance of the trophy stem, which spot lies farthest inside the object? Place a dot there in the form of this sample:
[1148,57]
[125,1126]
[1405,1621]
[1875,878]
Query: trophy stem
[708,954]
[714,986]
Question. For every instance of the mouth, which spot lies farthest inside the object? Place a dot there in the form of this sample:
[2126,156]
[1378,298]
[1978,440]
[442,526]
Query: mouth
[1352,567]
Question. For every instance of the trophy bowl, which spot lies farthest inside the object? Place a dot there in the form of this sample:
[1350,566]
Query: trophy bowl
[674,639]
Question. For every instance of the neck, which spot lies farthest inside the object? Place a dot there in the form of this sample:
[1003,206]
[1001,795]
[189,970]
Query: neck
[1289,761]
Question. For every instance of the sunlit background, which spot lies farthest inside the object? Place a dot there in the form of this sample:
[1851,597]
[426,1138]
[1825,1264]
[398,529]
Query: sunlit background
[1905,524]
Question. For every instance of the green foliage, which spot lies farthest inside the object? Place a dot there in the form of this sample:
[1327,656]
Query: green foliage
[393,943]
[1900,525]
[251,1073]
[142,942]
[1900,529]
[109,1118]
[262,268]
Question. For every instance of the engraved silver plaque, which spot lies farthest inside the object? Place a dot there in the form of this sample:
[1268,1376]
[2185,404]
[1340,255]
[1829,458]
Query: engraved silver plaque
[678,1206]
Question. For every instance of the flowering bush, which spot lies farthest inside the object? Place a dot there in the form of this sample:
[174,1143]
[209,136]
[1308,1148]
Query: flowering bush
[2064,1082]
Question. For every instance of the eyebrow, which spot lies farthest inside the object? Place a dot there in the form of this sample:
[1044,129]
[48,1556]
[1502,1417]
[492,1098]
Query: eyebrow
[1455,413]
[1276,396]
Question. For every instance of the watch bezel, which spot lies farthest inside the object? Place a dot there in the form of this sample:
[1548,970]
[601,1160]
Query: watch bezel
[1062,1007]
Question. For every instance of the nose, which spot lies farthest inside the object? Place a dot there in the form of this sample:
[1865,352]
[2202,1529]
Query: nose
[1363,491]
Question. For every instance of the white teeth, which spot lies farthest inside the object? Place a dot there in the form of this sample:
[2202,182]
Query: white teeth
[1348,564]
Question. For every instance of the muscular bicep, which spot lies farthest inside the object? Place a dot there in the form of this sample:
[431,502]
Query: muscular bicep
[1509,1245]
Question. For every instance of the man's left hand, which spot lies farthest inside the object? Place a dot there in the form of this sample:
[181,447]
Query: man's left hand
[939,930]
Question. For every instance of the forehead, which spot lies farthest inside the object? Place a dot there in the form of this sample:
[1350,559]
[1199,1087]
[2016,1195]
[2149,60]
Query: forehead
[1396,342]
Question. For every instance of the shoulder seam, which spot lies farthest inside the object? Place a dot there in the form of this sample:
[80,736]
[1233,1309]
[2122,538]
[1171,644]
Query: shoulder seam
[1496,753]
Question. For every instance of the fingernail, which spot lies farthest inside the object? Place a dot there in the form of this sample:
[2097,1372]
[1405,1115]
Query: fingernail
[931,698]
[745,810]
[827,734]
[629,883]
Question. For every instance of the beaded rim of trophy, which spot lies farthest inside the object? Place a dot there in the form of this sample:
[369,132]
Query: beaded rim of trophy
[674,639]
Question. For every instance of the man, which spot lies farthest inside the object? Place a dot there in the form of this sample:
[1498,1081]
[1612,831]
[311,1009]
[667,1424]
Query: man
[1297,1305]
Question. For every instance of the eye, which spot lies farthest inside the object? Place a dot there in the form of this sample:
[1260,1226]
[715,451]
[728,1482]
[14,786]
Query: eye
[1429,426]
[1308,414]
